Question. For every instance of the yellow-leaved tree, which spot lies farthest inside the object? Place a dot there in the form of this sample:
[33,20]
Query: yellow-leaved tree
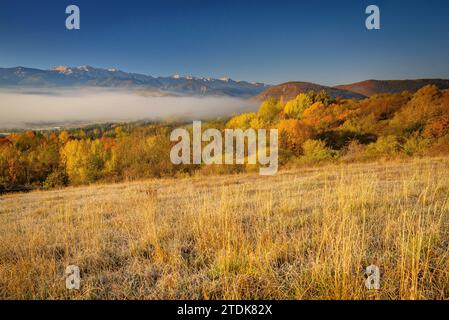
[242,121]
[294,109]
[269,110]
[84,160]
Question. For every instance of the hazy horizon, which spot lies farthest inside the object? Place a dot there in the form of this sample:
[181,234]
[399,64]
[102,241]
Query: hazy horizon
[21,108]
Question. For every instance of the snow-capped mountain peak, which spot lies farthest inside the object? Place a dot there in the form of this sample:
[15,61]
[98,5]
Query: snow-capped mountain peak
[85,75]
[85,68]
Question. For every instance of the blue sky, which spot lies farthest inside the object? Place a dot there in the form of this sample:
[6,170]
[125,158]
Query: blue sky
[268,41]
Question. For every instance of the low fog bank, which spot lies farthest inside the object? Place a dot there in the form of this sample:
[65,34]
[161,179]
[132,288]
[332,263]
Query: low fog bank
[20,109]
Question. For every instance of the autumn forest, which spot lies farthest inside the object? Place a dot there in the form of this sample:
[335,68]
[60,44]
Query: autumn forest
[313,129]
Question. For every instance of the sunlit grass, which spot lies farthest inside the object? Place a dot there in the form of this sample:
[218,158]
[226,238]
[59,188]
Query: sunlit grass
[303,234]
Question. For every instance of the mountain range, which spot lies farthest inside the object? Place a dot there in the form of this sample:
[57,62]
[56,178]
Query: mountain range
[82,76]
[87,76]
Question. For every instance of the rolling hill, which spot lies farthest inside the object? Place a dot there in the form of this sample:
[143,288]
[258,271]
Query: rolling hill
[290,90]
[372,87]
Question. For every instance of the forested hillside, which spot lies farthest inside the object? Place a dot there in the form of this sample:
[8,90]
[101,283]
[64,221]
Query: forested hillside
[313,128]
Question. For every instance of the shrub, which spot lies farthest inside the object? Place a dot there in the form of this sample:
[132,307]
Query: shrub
[384,146]
[56,179]
[416,144]
[353,151]
[316,151]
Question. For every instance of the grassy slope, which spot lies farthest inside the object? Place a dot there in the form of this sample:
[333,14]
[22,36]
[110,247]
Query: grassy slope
[301,234]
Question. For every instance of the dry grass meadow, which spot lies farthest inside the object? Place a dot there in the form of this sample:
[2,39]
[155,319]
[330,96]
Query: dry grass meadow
[302,234]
